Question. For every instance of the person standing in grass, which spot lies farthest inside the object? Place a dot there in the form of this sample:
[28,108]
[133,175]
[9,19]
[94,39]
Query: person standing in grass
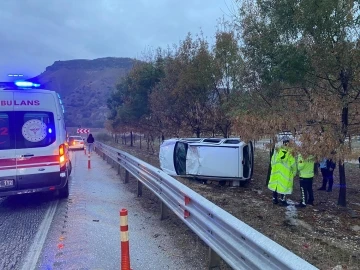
[324,173]
[306,173]
[283,170]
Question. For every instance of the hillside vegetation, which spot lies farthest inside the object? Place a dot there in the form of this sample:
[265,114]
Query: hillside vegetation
[84,86]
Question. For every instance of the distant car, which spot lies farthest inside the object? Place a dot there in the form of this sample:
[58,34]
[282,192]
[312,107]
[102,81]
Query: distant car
[76,142]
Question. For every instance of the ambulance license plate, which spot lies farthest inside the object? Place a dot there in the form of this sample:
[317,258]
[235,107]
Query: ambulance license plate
[6,183]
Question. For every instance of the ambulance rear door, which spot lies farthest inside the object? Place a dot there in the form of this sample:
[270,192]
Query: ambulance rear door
[36,129]
[7,142]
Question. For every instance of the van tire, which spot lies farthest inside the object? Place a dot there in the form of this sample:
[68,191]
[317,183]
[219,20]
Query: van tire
[244,183]
[222,183]
[64,192]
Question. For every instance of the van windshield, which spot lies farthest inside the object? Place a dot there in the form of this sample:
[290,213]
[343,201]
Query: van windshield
[20,130]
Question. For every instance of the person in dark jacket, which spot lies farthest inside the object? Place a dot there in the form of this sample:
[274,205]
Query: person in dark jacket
[329,175]
[90,140]
[323,169]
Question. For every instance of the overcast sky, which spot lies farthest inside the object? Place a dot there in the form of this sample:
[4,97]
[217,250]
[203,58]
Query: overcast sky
[35,33]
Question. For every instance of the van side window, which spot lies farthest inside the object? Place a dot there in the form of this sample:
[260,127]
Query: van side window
[34,129]
[6,132]
[232,141]
[211,140]
[180,153]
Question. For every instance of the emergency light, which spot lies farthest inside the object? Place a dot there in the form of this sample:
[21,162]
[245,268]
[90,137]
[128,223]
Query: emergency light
[18,82]
[19,85]
[26,84]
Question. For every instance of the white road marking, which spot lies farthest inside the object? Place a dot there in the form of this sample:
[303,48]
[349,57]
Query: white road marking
[36,247]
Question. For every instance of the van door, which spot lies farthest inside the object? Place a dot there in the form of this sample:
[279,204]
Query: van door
[212,160]
[7,152]
[7,142]
[37,159]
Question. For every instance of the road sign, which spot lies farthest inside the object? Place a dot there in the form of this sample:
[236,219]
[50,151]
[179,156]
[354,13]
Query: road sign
[83,130]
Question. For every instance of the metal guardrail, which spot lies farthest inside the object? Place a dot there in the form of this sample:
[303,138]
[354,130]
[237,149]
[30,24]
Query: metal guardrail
[238,244]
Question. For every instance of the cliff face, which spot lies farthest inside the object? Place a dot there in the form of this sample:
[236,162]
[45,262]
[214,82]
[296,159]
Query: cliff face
[84,86]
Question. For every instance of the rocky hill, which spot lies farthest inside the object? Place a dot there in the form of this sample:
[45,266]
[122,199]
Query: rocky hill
[84,86]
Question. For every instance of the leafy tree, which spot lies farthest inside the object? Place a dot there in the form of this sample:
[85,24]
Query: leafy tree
[303,60]
[186,87]
[227,73]
[129,104]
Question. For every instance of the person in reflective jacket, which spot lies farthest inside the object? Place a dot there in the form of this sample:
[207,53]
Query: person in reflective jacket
[283,170]
[306,174]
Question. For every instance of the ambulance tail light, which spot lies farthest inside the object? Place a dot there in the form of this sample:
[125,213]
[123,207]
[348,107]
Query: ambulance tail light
[61,150]
[62,157]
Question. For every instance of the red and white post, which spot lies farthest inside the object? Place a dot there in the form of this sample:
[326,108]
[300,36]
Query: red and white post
[89,164]
[124,237]
[85,150]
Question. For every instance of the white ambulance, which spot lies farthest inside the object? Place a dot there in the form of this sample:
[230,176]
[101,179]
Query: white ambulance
[34,155]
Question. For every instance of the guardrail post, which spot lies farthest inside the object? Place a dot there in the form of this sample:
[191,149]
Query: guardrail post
[214,260]
[139,188]
[127,176]
[163,211]
[119,169]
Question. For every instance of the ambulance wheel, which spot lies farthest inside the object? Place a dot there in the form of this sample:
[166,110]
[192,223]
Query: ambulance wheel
[64,192]
[70,167]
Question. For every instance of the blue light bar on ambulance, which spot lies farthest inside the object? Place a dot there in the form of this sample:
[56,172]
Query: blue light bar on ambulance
[26,84]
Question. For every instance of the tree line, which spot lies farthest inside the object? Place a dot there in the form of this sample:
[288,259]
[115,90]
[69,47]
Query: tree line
[275,65]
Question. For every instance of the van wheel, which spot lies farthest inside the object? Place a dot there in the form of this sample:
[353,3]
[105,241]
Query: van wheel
[222,183]
[244,183]
[64,192]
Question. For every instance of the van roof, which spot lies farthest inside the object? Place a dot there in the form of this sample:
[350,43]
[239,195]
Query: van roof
[210,141]
[34,90]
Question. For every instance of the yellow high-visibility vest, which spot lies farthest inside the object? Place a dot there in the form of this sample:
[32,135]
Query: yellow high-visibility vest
[305,167]
[283,170]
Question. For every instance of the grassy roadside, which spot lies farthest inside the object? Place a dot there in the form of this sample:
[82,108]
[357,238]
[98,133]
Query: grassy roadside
[325,235]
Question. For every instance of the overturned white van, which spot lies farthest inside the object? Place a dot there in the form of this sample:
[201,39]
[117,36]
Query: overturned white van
[217,159]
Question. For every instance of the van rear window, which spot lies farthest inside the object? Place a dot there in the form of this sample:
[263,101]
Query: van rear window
[34,129]
[20,130]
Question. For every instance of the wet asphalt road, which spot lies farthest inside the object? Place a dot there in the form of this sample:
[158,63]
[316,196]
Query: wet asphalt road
[82,232]
[20,217]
